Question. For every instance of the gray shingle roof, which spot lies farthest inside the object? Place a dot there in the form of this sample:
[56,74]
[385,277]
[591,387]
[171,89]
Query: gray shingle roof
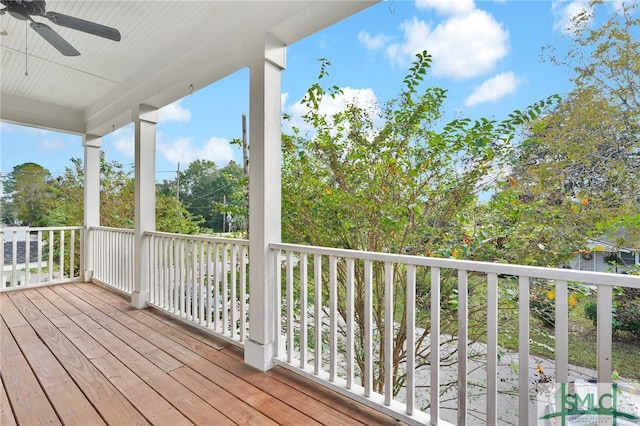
[20,252]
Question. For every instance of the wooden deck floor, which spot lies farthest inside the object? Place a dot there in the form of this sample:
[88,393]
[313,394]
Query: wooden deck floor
[76,354]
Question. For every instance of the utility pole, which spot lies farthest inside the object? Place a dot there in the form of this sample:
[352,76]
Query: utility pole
[245,148]
[178,183]
[245,159]
[224,213]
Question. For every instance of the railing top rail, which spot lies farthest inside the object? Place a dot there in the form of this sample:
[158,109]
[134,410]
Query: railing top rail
[111,229]
[198,238]
[473,266]
[40,228]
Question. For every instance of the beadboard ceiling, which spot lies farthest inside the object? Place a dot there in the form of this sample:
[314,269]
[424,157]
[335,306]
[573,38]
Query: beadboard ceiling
[166,47]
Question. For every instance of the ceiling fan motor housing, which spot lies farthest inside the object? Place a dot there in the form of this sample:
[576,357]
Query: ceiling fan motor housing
[23,9]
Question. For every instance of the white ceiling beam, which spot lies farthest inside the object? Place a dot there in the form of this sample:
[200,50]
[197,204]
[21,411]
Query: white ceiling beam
[29,112]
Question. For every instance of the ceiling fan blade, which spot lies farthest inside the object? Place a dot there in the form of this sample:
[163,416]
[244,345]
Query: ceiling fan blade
[54,39]
[84,26]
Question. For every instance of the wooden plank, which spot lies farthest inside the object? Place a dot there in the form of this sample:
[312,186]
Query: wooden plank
[186,401]
[89,347]
[97,295]
[6,415]
[311,407]
[9,313]
[336,401]
[69,402]
[275,409]
[206,346]
[29,402]
[60,303]
[205,380]
[233,385]
[155,408]
[192,405]
[109,298]
[170,323]
[42,304]
[280,391]
[220,398]
[333,400]
[113,406]
[230,405]
[104,328]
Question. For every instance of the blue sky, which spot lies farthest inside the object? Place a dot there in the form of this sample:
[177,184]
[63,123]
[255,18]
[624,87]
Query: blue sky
[487,55]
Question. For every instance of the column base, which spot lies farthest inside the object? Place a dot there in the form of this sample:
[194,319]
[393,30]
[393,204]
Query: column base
[258,355]
[138,300]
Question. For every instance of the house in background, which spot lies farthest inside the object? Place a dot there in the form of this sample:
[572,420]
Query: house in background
[607,255]
[18,244]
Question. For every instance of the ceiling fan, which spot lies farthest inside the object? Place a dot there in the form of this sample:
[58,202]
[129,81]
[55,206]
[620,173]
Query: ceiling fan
[26,9]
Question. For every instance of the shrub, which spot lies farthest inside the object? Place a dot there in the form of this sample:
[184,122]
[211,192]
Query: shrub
[591,312]
[626,315]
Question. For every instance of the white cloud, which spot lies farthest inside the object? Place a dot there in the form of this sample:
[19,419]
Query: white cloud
[463,46]
[493,89]
[447,7]
[122,141]
[184,151]
[51,145]
[565,12]
[174,112]
[373,42]
[365,98]
[619,5]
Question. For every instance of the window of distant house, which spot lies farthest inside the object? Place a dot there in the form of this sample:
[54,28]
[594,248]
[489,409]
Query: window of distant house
[628,257]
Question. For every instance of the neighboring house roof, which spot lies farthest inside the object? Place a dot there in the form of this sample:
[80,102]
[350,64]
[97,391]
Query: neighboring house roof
[618,241]
[608,246]
[20,252]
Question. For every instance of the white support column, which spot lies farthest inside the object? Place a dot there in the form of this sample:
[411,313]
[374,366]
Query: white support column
[264,201]
[145,119]
[92,145]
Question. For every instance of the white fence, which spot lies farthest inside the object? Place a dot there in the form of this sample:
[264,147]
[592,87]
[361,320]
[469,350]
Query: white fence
[202,280]
[113,257]
[37,256]
[336,305]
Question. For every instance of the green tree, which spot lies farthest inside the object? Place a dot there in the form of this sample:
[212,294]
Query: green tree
[66,196]
[578,177]
[211,193]
[28,194]
[395,187]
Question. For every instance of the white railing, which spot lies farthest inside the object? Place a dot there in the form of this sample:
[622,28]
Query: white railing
[336,303]
[33,256]
[113,256]
[202,280]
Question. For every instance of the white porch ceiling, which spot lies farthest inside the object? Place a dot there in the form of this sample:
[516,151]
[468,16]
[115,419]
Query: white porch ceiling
[166,46]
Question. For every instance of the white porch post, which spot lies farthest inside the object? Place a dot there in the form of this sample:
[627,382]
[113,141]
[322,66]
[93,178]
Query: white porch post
[145,119]
[264,201]
[91,146]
